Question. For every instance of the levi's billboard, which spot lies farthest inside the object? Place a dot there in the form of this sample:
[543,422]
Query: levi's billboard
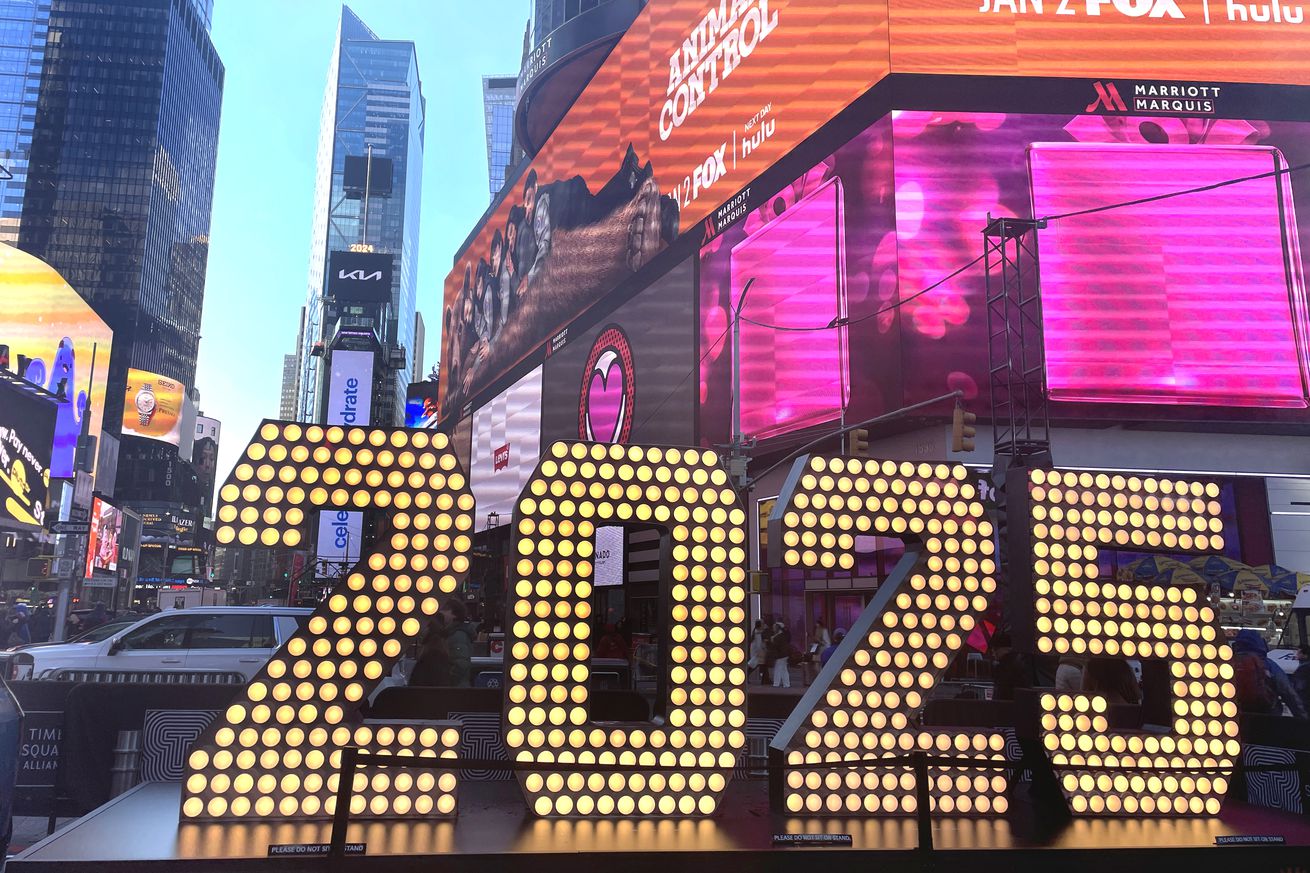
[702,96]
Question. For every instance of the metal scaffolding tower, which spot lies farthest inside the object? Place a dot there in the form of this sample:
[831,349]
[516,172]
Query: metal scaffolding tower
[1015,351]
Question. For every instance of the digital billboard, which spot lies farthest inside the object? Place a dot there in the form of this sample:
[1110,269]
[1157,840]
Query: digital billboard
[349,402]
[27,431]
[625,378]
[47,337]
[153,406]
[421,404]
[1149,309]
[350,388]
[204,457]
[505,449]
[103,541]
[699,98]
[360,277]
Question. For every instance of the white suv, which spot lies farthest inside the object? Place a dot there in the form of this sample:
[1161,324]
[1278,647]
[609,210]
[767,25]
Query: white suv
[227,639]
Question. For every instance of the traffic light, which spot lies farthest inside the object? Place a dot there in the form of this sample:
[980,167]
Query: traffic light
[857,443]
[963,430]
[39,568]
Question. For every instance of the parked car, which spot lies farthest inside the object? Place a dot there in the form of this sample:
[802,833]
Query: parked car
[209,638]
[94,635]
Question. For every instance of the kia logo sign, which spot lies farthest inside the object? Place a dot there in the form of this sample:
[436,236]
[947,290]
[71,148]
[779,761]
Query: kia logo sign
[360,277]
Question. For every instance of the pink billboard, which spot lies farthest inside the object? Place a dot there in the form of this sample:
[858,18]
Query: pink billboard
[1170,306]
[1163,302]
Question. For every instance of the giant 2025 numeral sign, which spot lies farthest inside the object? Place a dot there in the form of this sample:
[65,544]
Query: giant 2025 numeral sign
[274,753]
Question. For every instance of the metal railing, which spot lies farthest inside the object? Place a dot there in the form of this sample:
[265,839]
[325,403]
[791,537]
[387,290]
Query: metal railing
[151,677]
[352,757]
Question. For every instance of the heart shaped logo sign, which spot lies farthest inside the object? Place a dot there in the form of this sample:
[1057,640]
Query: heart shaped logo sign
[605,402]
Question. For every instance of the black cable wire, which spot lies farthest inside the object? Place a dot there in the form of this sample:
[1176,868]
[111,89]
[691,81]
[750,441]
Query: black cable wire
[846,322]
[1155,197]
[1041,221]
[684,379]
[890,307]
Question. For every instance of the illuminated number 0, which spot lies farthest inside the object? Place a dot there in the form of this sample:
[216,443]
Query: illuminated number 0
[275,751]
[681,767]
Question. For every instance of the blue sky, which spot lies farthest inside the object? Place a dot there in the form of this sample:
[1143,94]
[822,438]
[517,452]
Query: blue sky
[276,53]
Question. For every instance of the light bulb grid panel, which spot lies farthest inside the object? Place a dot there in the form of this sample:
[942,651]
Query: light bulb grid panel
[868,697]
[275,751]
[679,768]
[1073,515]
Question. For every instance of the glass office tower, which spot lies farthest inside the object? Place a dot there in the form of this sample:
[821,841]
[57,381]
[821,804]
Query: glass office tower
[373,98]
[498,96]
[121,180]
[23,26]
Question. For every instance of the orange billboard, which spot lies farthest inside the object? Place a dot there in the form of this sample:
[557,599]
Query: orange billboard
[702,96]
[696,100]
[1183,40]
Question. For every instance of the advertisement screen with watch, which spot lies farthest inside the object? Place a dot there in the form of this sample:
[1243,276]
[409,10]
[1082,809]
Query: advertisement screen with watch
[152,406]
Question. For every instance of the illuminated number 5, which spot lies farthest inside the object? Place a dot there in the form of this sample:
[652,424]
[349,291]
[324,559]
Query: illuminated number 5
[1073,515]
[863,704]
[679,767]
[275,751]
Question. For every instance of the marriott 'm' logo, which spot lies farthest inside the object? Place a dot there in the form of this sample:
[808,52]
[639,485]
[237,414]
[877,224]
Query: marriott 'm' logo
[1107,98]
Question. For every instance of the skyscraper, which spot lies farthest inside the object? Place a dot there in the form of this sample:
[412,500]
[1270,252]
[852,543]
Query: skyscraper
[121,178]
[374,98]
[23,26]
[420,336]
[498,115]
[287,405]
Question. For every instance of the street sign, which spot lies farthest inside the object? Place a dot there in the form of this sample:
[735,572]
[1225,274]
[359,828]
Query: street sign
[71,527]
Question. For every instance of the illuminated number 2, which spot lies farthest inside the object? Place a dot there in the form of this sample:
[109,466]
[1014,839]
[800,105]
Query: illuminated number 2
[275,751]
[1074,515]
[679,767]
[863,704]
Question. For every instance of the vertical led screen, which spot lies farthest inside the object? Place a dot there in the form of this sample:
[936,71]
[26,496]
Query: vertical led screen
[102,543]
[153,406]
[821,250]
[350,388]
[349,402]
[506,447]
[624,379]
[27,431]
[47,336]
[204,457]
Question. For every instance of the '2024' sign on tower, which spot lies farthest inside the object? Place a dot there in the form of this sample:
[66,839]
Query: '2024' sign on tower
[275,752]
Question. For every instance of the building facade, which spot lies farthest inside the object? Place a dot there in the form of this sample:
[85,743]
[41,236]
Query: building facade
[120,184]
[498,95]
[420,337]
[23,25]
[287,403]
[373,108]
